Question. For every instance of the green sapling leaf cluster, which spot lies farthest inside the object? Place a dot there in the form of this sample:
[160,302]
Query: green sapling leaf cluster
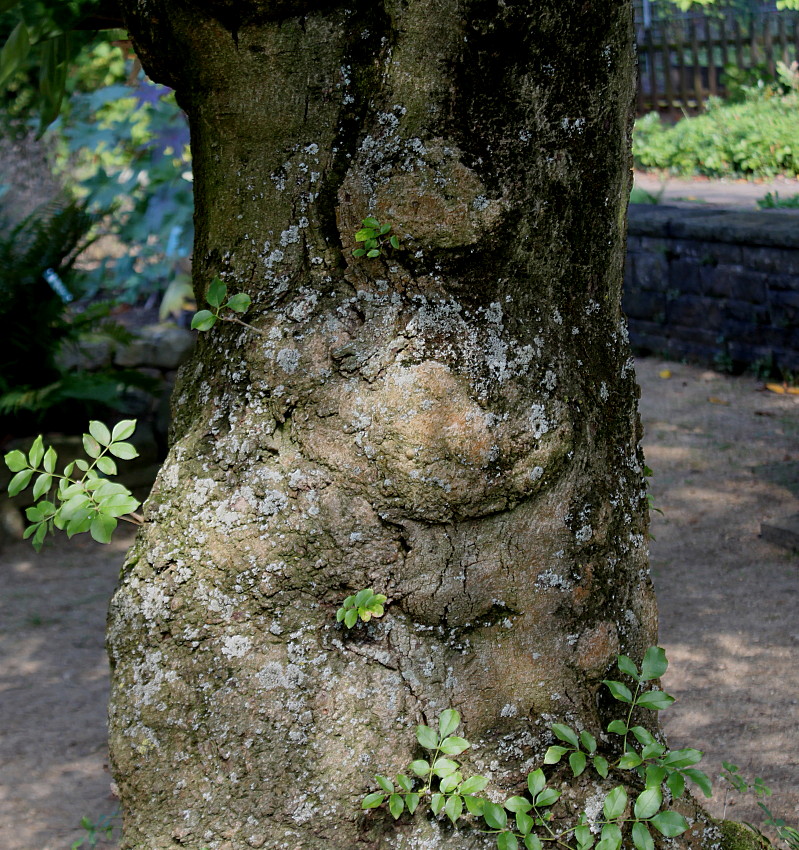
[527,820]
[375,238]
[363,605]
[84,498]
[204,320]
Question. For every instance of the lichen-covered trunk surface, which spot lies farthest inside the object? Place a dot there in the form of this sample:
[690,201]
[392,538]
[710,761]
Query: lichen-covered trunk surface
[452,423]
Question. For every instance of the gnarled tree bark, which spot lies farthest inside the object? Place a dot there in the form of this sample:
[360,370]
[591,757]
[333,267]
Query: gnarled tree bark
[453,423]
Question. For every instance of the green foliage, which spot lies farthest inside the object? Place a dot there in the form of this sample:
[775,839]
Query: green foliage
[85,499]
[38,320]
[216,296]
[363,605]
[40,42]
[775,202]
[375,238]
[100,831]
[752,138]
[124,150]
[733,778]
[526,820]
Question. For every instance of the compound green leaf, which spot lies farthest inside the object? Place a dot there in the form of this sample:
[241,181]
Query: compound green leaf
[358,252]
[123,429]
[584,837]
[507,841]
[473,785]
[420,767]
[518,804]
[628,666]
[374,252]
[384,228]
[203,320]
[699,778]
[676,784]
[642,735]
[217,291]
[615,803]
[372,801]
[577,762]
[619,727]
[31,529]
[404,782]
[444,767]
[524,823]
[683,758]
[364,233]
[495,815]
[351,617]
[450,782]
[50,459]
[588,741]
[536,782]
[611,833]
[42,485]
[124,451]
[436,803]
[648,802]
[600,765]
[642,838]
[385,783]
[100,432]
[554,754]
[16,460]
[362,597]
[427,737]
[532,842]
[19,482]
[91,446]
[102,528]
[655,700]
[655,774]
[547,797]
[454,807]
[475,805]
[655,663]
[565,733]
[396,805]
[36,452]
[620,692]
[453,746]
[394,241]
[652,750]
[411,802]
[38,537]
[340,614]
[370,222]
[82,521]
[629,760]
[239,303]
[669,823]
[106,465]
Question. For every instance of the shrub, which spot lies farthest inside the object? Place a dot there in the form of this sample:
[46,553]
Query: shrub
[756,137]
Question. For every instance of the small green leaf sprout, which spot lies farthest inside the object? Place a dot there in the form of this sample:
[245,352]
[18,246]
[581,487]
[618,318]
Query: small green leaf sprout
[364,604]
[375,238]
[88,502]
[204,320]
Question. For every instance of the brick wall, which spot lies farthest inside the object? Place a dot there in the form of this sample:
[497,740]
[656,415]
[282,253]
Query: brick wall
[715,286]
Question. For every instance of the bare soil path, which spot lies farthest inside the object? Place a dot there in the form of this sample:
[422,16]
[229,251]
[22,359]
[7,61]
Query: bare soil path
[726,457]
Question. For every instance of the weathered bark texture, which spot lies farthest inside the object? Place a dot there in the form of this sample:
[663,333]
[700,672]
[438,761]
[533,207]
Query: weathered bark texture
[453,424]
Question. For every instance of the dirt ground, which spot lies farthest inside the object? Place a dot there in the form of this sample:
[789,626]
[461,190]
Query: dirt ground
[725,454]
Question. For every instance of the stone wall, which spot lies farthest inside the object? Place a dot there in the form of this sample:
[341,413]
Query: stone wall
[716,286]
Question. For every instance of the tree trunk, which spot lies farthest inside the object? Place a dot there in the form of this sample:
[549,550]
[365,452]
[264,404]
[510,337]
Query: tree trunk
[452,423]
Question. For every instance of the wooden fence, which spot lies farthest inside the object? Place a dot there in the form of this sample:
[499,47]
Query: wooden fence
[683,58]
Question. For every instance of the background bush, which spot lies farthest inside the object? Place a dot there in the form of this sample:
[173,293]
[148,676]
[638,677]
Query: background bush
[754,135]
